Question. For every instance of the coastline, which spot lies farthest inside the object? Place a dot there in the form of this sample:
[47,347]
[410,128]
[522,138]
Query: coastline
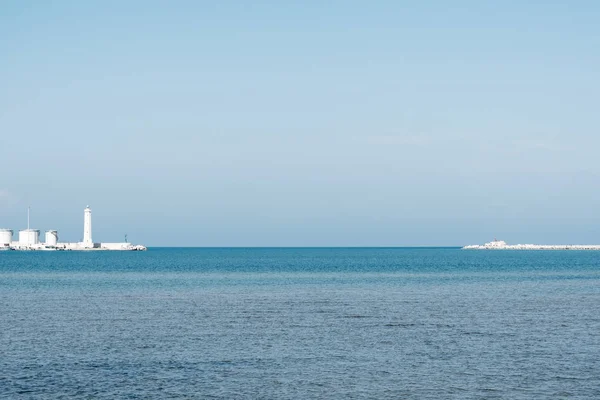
[502,245]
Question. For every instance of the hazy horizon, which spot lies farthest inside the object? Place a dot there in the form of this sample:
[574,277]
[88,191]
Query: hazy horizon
[315,124]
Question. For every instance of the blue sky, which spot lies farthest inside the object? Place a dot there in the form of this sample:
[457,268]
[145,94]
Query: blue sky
[316,123]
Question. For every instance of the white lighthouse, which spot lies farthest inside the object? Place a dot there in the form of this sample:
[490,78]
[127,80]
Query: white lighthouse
[87,227]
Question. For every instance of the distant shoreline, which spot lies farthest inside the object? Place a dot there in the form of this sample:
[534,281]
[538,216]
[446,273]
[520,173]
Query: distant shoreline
[502,245]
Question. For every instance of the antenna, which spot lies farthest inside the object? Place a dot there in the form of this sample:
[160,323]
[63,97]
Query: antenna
[28,209]
[125,238]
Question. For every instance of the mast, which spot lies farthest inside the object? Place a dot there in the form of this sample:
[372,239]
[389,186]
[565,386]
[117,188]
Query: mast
[28,210]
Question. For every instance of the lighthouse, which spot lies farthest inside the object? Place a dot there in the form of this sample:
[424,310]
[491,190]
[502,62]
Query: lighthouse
[87,227]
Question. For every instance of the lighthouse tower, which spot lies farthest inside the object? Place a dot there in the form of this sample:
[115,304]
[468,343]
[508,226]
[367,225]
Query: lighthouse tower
[87,227]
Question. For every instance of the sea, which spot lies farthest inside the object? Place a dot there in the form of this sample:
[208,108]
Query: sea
[300,323]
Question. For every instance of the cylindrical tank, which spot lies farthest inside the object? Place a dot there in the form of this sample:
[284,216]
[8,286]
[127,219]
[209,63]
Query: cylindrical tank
[29,237]
[5,237]
[51,238]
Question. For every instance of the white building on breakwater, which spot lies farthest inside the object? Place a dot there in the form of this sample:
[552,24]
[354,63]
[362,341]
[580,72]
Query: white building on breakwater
[501,245]
[29,239]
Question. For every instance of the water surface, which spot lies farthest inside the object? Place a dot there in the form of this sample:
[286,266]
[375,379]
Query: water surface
[423,323]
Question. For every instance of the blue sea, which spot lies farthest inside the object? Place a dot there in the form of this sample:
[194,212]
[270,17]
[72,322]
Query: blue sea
[300,323]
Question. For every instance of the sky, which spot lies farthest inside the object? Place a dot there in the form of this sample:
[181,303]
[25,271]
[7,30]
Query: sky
[309,123]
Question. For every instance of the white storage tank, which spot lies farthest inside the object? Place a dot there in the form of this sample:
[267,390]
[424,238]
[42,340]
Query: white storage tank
[29,237]
[5,237]
[51,238]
